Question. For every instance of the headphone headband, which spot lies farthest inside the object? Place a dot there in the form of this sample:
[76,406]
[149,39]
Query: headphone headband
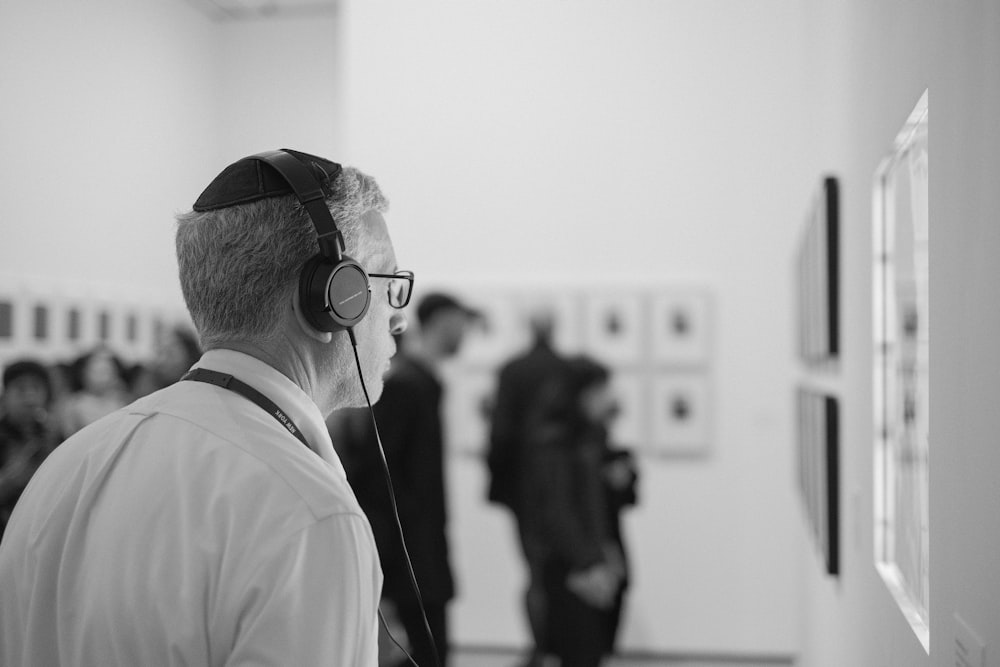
[311,194]
[334,292]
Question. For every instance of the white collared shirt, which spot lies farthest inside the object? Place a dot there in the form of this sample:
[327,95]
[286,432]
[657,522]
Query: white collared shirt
[191,528]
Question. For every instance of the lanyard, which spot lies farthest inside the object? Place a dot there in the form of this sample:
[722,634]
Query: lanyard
[227,381]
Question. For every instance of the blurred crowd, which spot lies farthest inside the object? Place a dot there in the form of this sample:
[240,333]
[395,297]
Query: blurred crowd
[551,464]
[550,459]
[42,404]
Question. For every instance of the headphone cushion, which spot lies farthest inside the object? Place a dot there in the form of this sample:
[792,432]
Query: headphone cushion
[334,295]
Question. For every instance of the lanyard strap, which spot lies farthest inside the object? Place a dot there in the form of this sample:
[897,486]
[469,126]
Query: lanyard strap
[227,381]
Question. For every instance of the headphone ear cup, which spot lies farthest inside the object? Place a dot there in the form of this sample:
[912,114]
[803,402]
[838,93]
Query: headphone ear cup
[333,295]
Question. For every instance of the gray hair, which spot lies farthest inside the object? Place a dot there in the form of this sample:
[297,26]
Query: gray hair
[239,265]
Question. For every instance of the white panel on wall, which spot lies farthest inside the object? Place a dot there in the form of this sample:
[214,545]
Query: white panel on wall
[601,144]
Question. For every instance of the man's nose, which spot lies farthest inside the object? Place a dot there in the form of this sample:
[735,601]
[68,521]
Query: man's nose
[397,323]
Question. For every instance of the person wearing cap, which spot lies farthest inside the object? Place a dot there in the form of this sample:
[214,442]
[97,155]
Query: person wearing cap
[412,435]
[211,522]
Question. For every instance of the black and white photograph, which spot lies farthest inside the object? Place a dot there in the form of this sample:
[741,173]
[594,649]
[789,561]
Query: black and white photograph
[499,333]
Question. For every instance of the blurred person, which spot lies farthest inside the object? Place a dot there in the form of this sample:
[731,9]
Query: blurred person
[98,387]
[620,476]
[28,432]
[174,356]
[410,425]
[578,486]
[211,522]
[518,384]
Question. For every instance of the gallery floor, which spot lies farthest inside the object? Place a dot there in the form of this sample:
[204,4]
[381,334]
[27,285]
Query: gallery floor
[494,658]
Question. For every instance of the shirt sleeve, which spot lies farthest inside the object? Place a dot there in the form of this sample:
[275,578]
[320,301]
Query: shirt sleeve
[314,601]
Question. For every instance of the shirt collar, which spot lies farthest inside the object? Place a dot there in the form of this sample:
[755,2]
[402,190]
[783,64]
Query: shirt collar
[266,379]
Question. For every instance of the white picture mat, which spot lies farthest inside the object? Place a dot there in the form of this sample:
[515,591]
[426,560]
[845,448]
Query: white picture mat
[581,313]
[680,413]
[680,327]
[613,326]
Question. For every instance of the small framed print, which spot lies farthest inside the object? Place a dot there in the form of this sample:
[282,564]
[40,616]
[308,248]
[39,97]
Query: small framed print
[104,317]
[613,327]
[819,471]
[629,426]
[680,414]
[8,326]
[680,328]
[8,318]
[818,277]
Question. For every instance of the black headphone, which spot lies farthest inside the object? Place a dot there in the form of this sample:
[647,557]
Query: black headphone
[334,291]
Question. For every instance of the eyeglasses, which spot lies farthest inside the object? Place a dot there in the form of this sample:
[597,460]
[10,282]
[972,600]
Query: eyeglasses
[400,287]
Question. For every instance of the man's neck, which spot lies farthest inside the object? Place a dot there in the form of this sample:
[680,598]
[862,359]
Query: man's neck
[292,362]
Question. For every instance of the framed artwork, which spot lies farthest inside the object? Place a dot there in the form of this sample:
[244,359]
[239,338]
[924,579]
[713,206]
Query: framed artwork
[88,325]
[58,321]
[818,276]
[629,427]
[40,326]
[680,414]
[613,327]
[818,458]
[104,322]
[7,319]
[679,327]
[73,320]
[656,343]
[900,292]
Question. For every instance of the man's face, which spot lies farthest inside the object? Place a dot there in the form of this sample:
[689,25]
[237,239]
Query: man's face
[25,398]
[375,332]
[449,330]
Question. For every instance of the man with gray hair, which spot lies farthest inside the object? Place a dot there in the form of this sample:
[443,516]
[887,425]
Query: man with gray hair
[211,522]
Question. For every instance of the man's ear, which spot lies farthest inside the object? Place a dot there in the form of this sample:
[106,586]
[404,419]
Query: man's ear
[305,326]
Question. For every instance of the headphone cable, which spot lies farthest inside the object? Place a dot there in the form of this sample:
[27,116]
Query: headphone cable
[395,514]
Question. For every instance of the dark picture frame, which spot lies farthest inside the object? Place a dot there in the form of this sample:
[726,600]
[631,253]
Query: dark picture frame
[818,277]
[818,458]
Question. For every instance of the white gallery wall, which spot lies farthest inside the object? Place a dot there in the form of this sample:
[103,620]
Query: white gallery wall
[280,86]
[113,117]
[639,143]
[870,63]
[104,108]
[519,143]
[635,144]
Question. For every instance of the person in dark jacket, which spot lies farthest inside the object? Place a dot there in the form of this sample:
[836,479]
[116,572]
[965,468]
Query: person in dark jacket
[517,393]
[578,486]
[412,435]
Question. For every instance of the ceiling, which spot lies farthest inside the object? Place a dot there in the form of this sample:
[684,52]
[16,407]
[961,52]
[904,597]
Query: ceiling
[236,10]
